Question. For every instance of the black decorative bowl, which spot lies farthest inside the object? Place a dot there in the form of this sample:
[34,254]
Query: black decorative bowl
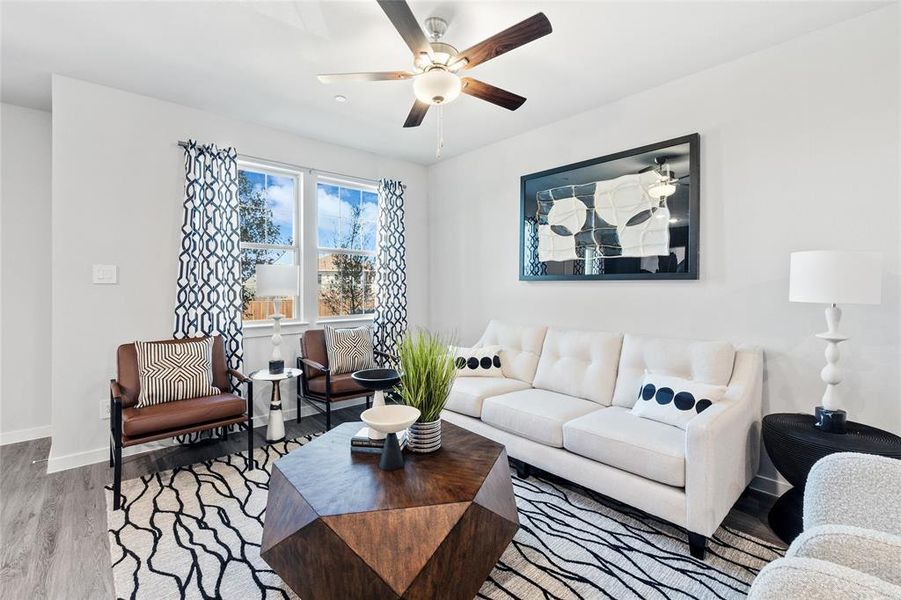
[377,379]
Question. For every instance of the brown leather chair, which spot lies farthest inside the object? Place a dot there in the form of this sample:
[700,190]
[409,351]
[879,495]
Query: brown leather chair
[318,386]
[130,425]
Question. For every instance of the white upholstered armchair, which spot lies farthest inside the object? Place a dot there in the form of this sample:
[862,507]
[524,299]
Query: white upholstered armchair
[851,544]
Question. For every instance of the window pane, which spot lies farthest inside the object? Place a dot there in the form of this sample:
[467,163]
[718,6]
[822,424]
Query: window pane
[266,205]
[262,309]
[346,284]
[347,217]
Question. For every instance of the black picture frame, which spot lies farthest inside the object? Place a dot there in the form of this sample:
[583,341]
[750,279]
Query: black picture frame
[688,268]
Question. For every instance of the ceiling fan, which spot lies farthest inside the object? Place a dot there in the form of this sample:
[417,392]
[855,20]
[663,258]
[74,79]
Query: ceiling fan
[436,64]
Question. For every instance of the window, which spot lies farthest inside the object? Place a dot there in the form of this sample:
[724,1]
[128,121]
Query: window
[268,201]
[346,227]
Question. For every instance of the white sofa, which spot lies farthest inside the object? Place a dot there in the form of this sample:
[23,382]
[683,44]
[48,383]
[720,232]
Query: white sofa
[851,545]
[564,406]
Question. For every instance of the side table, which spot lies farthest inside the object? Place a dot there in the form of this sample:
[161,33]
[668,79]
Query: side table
[275,431]
[794,445]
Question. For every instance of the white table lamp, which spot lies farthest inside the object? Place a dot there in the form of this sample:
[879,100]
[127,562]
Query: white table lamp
[833,278]
[276,282]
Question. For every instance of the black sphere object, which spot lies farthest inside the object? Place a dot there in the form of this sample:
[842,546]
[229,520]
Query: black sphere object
[794,443]
[831,421]
[392,458]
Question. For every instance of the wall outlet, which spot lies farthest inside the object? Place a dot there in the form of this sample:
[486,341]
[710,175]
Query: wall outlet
[104,409]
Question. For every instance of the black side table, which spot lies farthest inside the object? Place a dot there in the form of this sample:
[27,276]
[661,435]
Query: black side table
[794,445]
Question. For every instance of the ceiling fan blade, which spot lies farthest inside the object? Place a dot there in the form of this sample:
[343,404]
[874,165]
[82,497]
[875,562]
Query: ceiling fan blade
[417,114]
[407,26]
[520,34]
[374,76]
[489,93]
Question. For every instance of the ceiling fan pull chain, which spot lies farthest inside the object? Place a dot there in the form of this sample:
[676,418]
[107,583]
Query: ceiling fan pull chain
[440,131]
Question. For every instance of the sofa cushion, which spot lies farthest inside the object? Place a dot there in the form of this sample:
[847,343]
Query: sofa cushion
[520,347]
[537,415]
[579,363]
[704,362]
[616,437]
[468,393]
[181,413]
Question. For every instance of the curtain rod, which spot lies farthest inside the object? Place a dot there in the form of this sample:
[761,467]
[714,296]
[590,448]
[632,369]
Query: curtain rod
[311,170]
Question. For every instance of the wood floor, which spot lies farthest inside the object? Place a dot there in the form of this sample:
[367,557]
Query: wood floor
[53,538]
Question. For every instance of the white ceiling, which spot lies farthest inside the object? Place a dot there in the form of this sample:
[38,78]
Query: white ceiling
[257,61]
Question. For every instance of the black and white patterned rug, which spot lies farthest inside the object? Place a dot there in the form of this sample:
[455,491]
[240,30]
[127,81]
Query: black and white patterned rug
[194,532]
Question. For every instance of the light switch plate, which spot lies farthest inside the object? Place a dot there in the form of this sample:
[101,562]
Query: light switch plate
[105,274]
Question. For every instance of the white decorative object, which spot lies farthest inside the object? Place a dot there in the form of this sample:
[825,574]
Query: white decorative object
[553,247]
[276,282]
[835,277]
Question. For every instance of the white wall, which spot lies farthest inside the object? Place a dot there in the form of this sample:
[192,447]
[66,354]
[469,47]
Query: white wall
[117,196]
[799,150]
[25,272]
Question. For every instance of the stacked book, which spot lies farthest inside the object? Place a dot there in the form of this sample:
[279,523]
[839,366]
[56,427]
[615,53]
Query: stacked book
[361,442]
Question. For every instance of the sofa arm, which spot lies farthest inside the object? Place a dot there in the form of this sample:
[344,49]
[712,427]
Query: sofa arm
[860,490]
[812,579]
[872,552]
[722,446]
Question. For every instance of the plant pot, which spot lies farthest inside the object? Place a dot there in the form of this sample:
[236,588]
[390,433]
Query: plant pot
[424,437]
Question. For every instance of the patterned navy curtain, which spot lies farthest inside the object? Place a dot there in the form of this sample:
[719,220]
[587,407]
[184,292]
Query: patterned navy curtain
[390,268]
[208,300]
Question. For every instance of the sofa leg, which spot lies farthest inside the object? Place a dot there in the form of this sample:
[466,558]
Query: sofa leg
[697,545]
[523,469]
[117,479]
[299,407]
[111,454]
[328,416]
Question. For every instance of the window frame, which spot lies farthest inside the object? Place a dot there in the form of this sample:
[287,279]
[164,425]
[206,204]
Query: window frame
[352,183]
[279,170]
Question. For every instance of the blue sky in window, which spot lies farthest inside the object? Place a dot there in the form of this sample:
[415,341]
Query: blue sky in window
[335,208]
[280,197]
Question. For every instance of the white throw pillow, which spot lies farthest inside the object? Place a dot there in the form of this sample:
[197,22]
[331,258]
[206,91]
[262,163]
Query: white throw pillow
[673,400]
[478,362]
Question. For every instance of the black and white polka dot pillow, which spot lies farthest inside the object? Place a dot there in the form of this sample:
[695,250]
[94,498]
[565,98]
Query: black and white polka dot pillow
[673,400]
[478,362]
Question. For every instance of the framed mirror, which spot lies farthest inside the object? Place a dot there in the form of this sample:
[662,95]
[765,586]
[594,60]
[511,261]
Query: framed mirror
[630,215]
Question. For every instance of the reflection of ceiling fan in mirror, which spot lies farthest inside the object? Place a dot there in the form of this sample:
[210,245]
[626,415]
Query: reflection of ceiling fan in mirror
[666,183]
[436,64]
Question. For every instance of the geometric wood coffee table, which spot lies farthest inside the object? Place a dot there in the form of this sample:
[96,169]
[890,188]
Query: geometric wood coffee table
[337,526]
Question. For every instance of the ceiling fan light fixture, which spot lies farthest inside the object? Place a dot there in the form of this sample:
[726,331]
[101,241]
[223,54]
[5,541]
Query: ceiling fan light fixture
[437,87]
[662,189]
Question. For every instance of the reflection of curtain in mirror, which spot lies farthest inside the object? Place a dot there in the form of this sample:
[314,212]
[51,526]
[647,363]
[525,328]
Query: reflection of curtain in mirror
[532,266]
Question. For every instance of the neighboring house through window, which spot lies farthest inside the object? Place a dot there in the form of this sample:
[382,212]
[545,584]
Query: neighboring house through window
[269,198]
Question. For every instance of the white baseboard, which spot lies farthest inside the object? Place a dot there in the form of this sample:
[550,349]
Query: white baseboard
[24,435]
[99,455]
[768,485]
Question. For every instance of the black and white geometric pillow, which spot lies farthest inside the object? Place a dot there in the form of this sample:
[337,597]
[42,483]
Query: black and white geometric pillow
[168,372]
[673,400]
[478,362]
[349,349]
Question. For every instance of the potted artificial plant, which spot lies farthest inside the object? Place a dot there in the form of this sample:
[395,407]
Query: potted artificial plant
[427,374]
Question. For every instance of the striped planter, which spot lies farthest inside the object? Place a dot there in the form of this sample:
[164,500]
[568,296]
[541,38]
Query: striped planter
[424,437]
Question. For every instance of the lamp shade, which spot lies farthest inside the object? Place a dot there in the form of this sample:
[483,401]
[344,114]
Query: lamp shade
[833,277]
[276,281]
